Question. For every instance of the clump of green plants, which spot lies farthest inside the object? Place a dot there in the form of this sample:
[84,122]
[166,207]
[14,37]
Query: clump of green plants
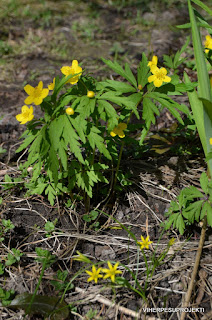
[79,142]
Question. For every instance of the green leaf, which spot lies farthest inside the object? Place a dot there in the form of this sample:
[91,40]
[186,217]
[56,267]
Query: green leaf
[45,306]
[204,182]
[96,140]
[27,141]
[197,109]
[192,193]
[50,191]
[209,214]
[203,6]
[143,71]
[203,78]
[193,211]
[80,125]
[130,75]
[121,87]
[180,224]
[104,105]
[71,138]
[127,74]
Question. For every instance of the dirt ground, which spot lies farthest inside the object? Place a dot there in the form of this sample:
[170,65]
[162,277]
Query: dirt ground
[37,39]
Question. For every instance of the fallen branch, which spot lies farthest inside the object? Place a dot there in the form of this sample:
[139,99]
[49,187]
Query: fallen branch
[196,266]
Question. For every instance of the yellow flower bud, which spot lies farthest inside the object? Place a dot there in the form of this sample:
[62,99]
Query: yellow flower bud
[90,94]
[140,87]
[70,111]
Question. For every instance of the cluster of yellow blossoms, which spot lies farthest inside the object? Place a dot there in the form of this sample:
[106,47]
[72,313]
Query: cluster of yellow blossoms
[37,94]
[112,271]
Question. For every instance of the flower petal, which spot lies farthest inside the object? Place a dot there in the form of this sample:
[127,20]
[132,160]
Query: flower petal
[40,85]
[163,71]
[29,100]
[66,70]
[44,93]
[74,63]
[158,83]
[151,78]
[167,79]
[29,89]
[38,101]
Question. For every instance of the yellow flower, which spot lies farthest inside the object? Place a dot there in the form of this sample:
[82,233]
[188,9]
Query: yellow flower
[94,274]
[81,258]
[119,130]
[159,76]
[26,115]
[145,242]
[51,85]
[111,272]
[153,62]
[210,140]
[171,242]
[36,94]
[90,94]
[66,70]
[70,111]
[208,43]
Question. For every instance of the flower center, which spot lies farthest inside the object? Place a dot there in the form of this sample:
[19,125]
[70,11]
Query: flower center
[37,92]
[160,75]
[25,114]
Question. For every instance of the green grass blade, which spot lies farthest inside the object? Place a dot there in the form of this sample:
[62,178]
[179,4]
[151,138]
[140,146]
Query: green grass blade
[203,78]
[204,89]
[197,109]
[203,6]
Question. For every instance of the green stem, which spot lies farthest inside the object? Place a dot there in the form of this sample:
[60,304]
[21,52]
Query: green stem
[118,165]
[37,287]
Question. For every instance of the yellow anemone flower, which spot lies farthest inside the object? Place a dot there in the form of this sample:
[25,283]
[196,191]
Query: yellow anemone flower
[51,85]
[210,140]
[66,70]
[119,130]
[94,274]
[154,62]
[36,95]
[111,272]
[208,43]
[159,76]
[25,115]
[144,243]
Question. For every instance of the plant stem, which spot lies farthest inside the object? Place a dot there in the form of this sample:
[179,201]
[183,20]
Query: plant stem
[118,165]
[37,287]
[196,266]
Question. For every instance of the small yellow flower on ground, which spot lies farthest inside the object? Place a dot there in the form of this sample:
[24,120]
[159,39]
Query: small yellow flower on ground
[159,76]
[94,274]
[210,140]
[112,271]
[36,95]
[119,130]
[26,115]
[154,62]
[144,243]
[70,111]
[171,242]
[208,43]
[51,85]
[66,70]
[90,94]
[81,258]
